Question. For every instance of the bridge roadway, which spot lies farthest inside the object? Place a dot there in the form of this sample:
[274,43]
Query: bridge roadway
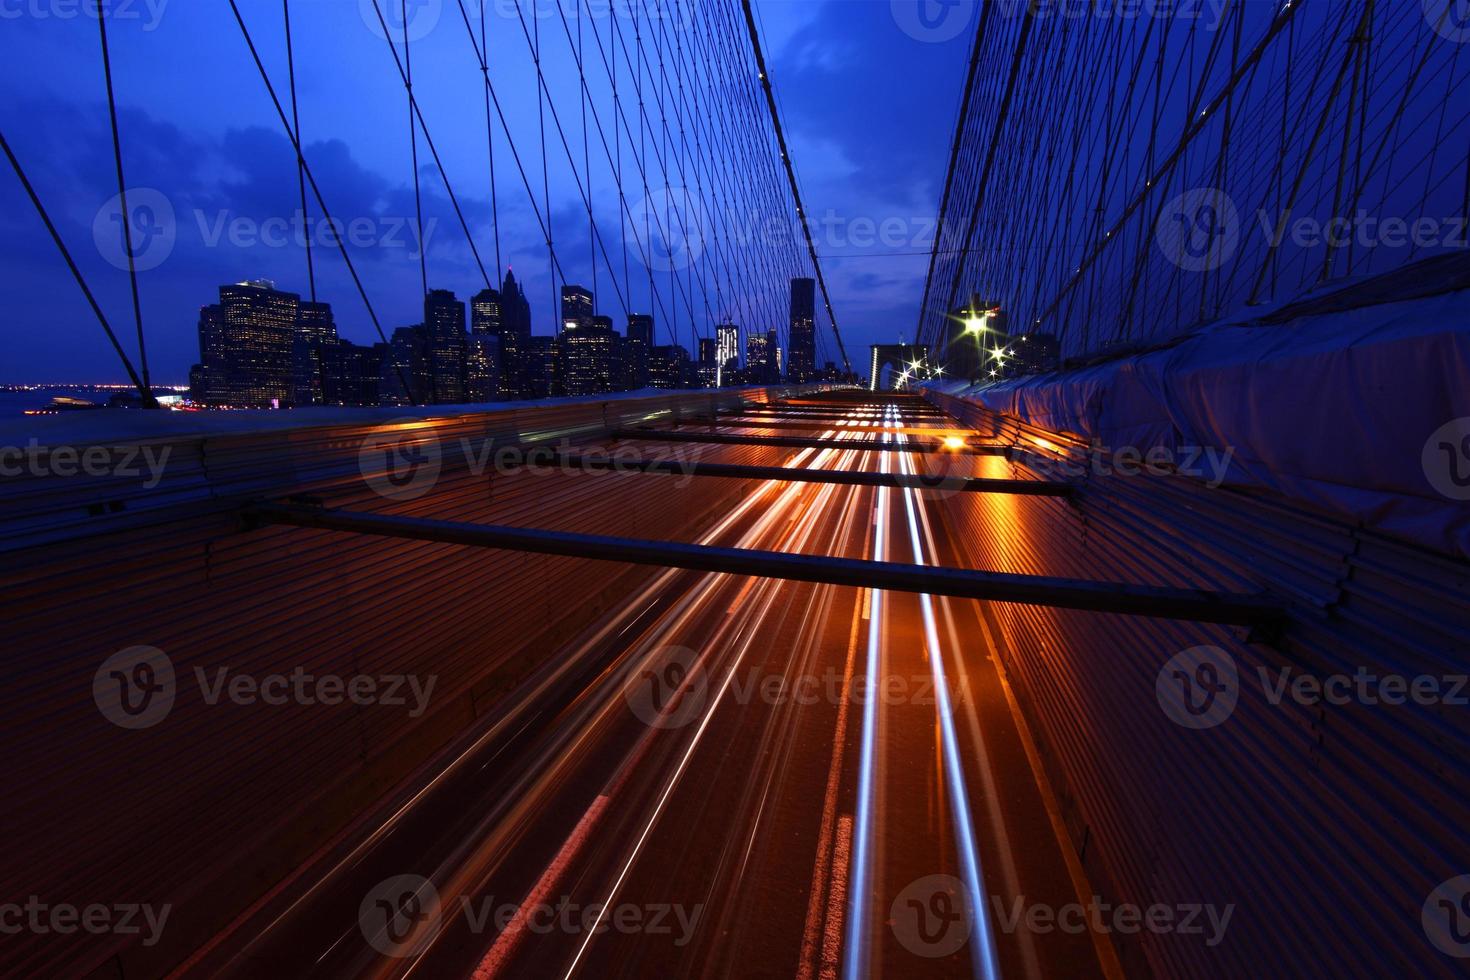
[699,786]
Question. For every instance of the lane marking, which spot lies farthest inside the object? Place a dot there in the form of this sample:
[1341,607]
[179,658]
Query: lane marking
[829,812]
[500,953]
[832,939]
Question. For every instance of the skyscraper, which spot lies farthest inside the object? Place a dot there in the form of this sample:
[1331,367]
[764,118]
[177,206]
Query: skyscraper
[668,367]
[515,309]
[482,367]
[802,363]
[727,353]
[316,333]
[636,350]
[405,378]
[444,322]
[707,369]
[761,366]
[576,307]
[542,372]
[247,345]
[591,358]
[485,312]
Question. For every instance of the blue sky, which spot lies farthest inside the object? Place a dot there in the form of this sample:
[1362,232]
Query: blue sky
[868,106]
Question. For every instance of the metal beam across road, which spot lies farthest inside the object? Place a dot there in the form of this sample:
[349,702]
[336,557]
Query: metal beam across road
[788,415]
[902,481]
[805,442]
[814,426]
[1194,605]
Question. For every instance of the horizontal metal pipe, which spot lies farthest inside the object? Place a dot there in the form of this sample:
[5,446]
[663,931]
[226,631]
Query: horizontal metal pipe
[1183,604]
[815,425]
[902,481]
[803,442]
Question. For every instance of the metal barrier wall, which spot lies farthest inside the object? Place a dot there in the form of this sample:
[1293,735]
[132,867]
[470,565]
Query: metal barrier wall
[1327,826]
[206,806]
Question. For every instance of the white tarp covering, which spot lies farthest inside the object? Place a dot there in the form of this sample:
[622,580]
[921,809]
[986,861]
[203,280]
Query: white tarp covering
[1362,412]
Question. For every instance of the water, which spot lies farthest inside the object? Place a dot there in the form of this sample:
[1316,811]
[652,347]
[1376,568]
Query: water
[14,404]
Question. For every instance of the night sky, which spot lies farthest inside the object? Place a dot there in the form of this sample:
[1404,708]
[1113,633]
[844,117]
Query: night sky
[869,110]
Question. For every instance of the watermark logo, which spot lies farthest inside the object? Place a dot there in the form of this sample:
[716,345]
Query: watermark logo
[151,222]
[1446,917]
[401,916]
[1198,687]
[669,690]
[932,21]
[944,474]
[419,17]
[1449,18]
[1199,230]
[931,917]
[1446,459]
[135,688]
[399,465]
[669,226]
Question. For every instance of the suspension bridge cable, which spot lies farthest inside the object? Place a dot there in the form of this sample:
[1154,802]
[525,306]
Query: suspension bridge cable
[144,392]
[765,78]
[127,218]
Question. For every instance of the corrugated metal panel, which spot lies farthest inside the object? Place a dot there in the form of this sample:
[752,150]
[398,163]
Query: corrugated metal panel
[1326,826]
[173,813]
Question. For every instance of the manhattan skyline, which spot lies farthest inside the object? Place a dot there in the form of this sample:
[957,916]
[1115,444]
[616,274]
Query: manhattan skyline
[228,175]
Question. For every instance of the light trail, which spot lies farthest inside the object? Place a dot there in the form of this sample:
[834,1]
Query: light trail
[982,940]
[856,954]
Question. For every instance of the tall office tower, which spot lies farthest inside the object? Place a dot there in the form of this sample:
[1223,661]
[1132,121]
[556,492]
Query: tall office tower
[311,364]
[246,346]
[405,378]
[444,321]
[727,353]
[515,309]
[707,352]
[760,358]
[576,307]
[485,312]
[591,358]
[514,349]
[668,367]
[352,373]
[206,383]
[542,367]
[802,362]
[636,350]
[482,368]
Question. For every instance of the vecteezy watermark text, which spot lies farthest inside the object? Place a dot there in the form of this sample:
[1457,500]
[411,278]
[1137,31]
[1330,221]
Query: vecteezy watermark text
[405,465]
[36,460]
[149,12]
[1200,687]
[1125,918]
[137,688]
[43,918]
[297,230]
[401,915]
